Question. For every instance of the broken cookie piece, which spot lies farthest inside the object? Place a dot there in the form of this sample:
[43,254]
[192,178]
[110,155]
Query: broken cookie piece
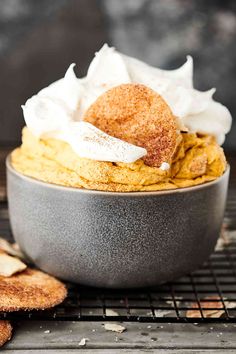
[113,327]
[10,265]
[5,332]
[12,249]
[211,306]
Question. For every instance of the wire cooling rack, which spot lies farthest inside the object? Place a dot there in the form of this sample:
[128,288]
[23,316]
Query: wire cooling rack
[207,295]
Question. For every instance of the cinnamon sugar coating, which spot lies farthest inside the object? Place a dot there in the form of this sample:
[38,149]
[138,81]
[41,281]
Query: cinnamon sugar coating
[30,289]
[138,115]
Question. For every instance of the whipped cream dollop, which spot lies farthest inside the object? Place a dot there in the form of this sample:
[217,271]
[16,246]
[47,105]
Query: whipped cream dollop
[58,110]
[92,143]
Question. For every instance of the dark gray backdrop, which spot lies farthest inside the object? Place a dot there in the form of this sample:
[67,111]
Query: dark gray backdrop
[39,39]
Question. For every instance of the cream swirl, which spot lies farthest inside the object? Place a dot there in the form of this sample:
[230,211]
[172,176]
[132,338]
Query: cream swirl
[57,109]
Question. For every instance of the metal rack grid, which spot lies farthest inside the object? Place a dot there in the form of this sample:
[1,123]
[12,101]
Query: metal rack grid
[213,287]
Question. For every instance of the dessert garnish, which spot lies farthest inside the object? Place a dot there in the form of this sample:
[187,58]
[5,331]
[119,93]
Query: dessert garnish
[126,126]
[57,107]
[138,115]
[90,142]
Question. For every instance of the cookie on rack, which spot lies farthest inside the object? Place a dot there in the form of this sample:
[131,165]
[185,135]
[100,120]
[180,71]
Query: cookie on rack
[29,290]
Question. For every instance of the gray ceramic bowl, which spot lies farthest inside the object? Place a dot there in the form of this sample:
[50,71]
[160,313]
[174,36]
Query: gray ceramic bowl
[115,240]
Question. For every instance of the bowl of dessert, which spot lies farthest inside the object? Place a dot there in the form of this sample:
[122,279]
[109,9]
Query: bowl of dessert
[120,180]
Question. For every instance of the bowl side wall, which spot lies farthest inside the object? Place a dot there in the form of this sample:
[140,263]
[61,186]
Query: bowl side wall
[112,240]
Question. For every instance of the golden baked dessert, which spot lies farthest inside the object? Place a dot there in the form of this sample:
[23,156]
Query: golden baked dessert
[125,127]
[198,159]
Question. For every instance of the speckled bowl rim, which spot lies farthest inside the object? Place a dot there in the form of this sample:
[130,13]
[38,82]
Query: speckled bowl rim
[92,191]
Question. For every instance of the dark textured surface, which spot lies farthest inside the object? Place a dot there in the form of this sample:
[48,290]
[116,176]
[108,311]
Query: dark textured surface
[39,39]
[115,239]
[164,32]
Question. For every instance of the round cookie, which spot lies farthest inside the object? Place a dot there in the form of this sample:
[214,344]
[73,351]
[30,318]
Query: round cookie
[138,115]
[29,290]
